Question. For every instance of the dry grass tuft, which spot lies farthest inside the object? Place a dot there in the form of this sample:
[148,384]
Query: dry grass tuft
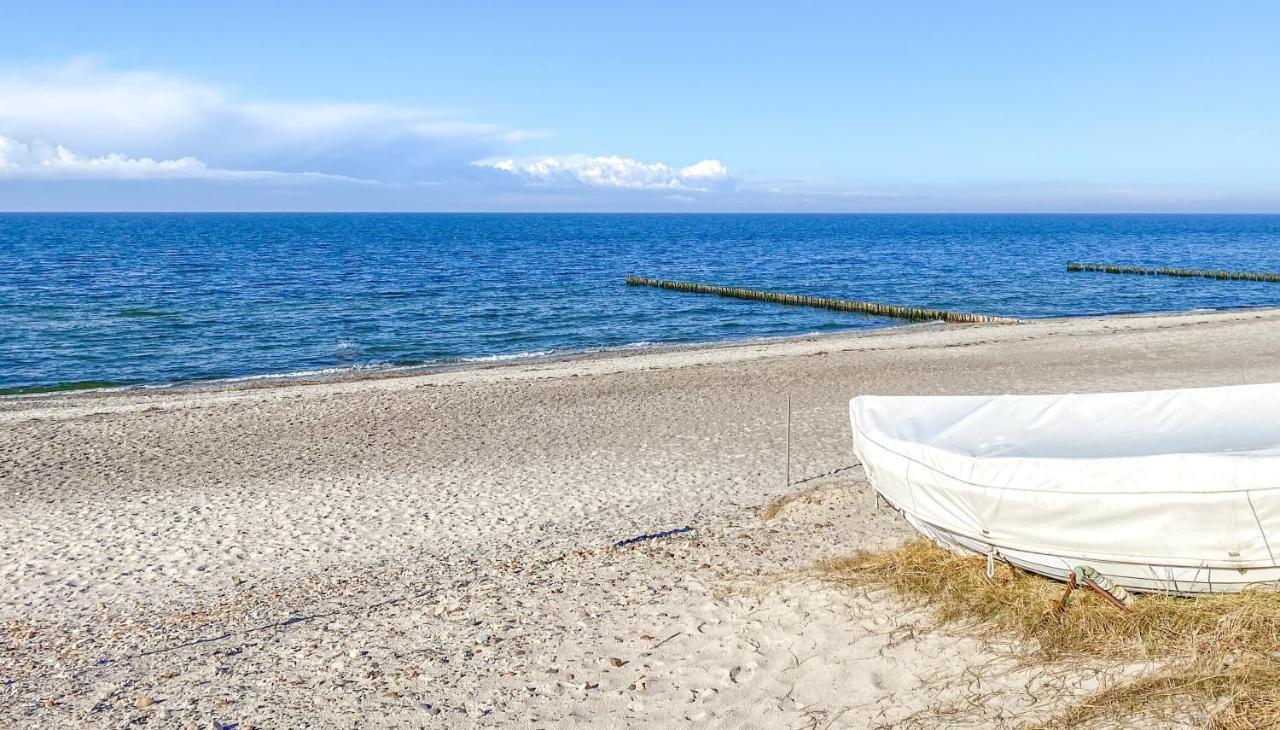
[1219,655]
[809,495]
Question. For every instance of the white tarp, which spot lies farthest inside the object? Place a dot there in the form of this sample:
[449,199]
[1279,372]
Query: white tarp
[1185,478]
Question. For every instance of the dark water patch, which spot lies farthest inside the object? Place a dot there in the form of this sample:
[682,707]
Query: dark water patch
[143,312]
[61,387]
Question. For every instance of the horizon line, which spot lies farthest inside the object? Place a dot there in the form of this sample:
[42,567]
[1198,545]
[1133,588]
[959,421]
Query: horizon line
[628,212]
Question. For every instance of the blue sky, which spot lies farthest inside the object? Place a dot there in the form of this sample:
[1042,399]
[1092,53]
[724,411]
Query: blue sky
[841,106]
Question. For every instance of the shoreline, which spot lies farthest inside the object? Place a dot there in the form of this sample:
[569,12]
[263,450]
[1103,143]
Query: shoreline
[386,370]
[378,372]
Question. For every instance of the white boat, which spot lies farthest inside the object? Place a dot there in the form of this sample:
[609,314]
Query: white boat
[1173,491]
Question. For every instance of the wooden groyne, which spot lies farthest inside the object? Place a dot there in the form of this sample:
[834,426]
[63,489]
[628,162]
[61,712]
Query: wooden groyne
[839,305]
[1201,273]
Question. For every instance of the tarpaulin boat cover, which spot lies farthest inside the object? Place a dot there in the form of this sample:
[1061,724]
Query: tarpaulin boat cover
[1185,478]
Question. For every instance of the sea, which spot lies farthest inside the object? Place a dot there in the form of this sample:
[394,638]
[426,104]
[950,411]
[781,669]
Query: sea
[156,300]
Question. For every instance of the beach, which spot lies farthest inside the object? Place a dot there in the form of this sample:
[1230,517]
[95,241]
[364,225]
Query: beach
[438,549]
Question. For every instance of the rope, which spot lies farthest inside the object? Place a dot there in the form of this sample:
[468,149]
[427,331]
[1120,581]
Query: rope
[652,536]
[824,475]
[1086,577]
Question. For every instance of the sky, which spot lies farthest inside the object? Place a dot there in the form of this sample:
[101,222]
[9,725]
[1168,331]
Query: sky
[647,106]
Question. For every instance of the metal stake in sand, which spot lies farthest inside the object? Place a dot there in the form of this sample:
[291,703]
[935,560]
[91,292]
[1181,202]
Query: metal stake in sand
[839,305]
[788,484]
[1201,273]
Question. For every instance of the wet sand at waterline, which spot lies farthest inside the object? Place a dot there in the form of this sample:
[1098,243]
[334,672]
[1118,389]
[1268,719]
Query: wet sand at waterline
[437,549]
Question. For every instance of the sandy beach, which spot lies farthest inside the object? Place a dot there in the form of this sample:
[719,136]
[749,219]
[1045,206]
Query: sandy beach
[438,549]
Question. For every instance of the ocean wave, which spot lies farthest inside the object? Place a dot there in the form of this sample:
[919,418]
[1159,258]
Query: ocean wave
[508,356]
[330,372]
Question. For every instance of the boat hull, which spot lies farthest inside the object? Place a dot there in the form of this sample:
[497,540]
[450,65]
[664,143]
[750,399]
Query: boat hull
[1172,492]
[1135,577]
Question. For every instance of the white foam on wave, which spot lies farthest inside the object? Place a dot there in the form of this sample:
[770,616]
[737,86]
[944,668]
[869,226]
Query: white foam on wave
[282,376]
[508,356]
[306,373]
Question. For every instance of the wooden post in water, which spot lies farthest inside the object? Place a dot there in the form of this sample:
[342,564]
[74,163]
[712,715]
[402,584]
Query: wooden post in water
[839,305]
[1201,273]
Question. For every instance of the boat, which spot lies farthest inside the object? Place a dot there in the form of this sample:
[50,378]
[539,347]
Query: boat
[1170,491]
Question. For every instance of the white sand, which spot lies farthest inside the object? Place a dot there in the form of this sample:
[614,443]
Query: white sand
[443,539]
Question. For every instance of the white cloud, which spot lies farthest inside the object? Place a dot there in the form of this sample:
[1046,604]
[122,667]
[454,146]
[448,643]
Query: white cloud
[81,105]
[706,169]
[40,160]
[150,124]
[614,172]
[452,129]
[82,121]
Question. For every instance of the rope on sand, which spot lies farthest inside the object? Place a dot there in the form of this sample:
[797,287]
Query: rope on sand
[824,475]
[652,536]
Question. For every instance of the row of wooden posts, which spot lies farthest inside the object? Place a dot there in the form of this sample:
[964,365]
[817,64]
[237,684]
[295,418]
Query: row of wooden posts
[839,305]
[925,313]
[1202,273]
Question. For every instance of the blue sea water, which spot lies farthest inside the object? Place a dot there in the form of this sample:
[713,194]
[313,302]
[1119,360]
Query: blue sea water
[131,299]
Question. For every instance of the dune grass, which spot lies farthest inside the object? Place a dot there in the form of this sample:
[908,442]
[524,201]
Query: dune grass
[1216,656]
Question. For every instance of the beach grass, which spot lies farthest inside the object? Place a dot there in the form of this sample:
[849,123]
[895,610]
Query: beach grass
[1217,657]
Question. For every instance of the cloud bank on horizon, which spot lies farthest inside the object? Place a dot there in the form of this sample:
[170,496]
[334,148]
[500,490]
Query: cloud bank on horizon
[40,160]
[139,124]
[80,122]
